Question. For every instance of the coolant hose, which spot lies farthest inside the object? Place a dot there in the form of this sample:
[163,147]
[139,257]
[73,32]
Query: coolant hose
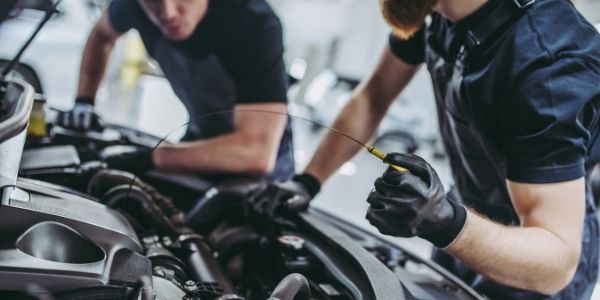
[120,196]
[293,287]
[105,180]
[217,203]
[118,188]
[115,184]
[204,267]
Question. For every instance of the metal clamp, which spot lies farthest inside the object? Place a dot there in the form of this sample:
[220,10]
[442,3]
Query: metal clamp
[472,40]
[523,4]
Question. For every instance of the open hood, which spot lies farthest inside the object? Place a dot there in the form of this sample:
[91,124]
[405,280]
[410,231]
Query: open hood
[5,7]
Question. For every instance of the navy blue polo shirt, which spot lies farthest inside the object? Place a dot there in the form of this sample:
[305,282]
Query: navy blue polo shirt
[534,89]
[522,105]
[234,56]
[245,35]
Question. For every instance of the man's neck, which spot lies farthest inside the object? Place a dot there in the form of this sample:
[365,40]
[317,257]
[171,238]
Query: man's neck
[456,10]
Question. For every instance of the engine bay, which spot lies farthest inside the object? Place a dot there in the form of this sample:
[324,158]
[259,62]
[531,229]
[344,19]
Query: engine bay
[74,229]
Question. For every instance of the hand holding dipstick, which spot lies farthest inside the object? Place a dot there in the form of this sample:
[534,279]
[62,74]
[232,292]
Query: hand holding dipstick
[381,156]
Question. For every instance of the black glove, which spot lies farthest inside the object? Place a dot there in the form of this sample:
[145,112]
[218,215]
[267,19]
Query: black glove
[408,204]
[128,158]
[292,195]
[81,117]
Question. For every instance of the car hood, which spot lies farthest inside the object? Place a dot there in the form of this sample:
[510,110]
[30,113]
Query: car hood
[5,7]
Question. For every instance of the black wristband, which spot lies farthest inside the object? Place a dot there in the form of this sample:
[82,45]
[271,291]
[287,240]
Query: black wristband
[146,161]
[85,99]
[310,182]
[444,239]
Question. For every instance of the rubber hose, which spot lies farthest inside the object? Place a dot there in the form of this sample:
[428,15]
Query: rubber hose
[204,267]
[293,287]
[118,196]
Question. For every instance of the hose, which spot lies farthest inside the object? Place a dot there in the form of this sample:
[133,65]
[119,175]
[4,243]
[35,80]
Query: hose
[218,202]
[232,241]
[293,287]
[204,267]
[106,181]
[123,196]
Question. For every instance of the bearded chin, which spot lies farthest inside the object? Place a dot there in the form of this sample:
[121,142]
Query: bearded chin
[407,31]
[406,16]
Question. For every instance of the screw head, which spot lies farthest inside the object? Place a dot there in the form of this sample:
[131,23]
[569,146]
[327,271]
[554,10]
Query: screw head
[190,286]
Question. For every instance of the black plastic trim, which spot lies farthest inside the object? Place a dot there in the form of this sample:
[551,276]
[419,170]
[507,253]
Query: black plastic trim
[354,231]
[384,284]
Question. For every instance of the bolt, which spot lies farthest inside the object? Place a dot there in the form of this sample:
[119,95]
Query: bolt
[190,286]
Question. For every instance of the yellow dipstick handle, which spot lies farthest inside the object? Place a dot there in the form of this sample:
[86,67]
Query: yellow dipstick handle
[381,155]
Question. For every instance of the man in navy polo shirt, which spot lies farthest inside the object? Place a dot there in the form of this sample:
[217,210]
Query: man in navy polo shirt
[217,55]
[517,86]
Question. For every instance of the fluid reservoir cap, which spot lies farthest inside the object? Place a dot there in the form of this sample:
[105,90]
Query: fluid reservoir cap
[190,286]
[292,241]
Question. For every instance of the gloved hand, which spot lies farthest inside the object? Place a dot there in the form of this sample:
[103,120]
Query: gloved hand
[292,195]
[128,158]
[408,204]
[81,117]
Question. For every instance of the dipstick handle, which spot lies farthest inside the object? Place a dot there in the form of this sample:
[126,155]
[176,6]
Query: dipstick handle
[381,156]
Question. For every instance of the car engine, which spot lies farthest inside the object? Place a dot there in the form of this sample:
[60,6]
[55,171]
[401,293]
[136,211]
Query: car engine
[73,229]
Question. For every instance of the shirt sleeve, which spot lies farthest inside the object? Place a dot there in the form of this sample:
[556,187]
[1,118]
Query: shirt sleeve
[121,14]
[546,122]
[411,51]
[255,60]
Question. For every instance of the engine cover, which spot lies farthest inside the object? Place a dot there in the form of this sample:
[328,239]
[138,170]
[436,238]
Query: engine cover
[59,240]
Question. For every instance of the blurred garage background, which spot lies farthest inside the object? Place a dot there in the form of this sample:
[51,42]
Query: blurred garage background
[330,46]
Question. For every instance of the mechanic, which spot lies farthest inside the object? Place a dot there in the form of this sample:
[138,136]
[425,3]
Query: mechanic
[517,88]
[217,55]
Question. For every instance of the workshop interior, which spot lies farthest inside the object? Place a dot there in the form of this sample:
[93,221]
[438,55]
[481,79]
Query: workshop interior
[139,182]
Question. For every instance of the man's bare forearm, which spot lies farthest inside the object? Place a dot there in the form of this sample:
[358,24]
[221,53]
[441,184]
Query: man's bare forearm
[529,258]
[95,58]
[229,153]
[362,114]
[251,148]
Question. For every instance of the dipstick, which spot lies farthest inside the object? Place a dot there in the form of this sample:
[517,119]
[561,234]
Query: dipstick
[378,153]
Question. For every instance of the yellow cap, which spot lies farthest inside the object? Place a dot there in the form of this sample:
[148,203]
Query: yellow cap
[381,156]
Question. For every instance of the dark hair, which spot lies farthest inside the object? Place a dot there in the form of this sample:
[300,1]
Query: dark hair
[406,15]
